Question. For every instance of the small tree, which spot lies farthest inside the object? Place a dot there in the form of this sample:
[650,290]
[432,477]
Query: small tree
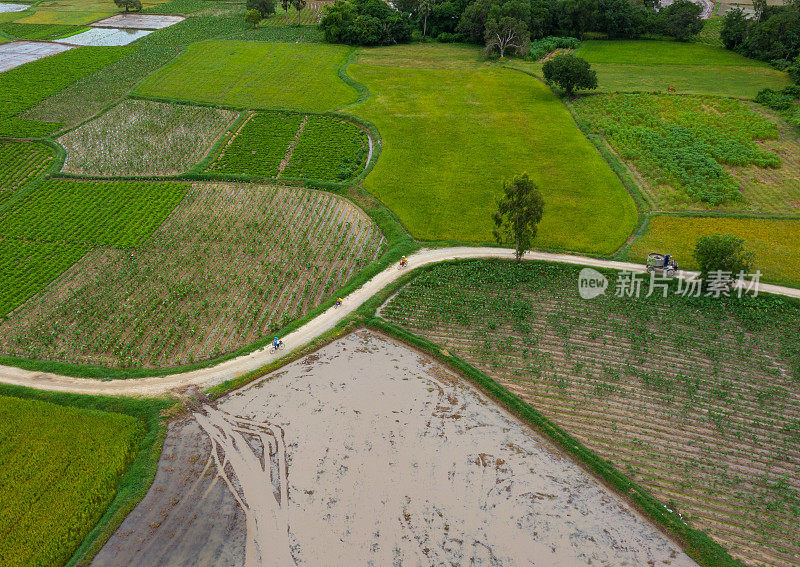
[129,5]
[299,5]
[253,17]
[518,214]
[265,7]
[569,73]
[424,7]
[506,33]
[722,252]
[285,5]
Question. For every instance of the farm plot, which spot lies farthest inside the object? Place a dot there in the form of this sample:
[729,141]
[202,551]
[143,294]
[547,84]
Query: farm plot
[330,149]
[140,137]
[60,469]
[368,453]
[647,66]
[20,163]
[279,144]
[259,146]
[37,31]
[775,242]
[695,399]
[24,87]
[451,136]
[27,267]
[282,76]
[18,53]
[683,147]
[120,214]
[230,266]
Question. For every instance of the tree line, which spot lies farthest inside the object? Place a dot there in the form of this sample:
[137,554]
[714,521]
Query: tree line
[771,33]
[506,24]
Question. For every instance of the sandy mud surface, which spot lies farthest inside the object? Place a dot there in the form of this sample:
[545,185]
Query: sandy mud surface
[368,453]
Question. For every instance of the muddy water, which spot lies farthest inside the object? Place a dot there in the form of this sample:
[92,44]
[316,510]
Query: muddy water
[368,453]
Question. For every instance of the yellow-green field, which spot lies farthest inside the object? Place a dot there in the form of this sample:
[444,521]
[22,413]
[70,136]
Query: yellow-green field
[775,242]
[60,468]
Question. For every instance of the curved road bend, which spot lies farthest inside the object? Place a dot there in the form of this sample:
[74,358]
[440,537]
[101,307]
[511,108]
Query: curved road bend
[325,321]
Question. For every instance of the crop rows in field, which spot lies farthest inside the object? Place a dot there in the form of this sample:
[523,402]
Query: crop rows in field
[696,400]
[682,144]
[329,148]
[92,93]
[120,214]
[60,471]
[27,267]
[139,137]
[21,162]
[259,146]
[234,263]
[278,144]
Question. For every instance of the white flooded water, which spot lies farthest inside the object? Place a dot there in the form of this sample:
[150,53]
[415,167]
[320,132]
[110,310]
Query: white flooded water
[106,37]
[393,460]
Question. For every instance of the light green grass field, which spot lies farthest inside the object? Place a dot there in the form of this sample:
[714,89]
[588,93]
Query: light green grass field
[773,241]
[451,137]
[256,75]
[695,68]
[60,468]
[63,17]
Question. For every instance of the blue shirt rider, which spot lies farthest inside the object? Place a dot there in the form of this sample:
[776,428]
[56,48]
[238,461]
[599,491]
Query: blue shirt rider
[276,342]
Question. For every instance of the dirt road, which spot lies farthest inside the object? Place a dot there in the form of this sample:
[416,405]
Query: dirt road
[324,322]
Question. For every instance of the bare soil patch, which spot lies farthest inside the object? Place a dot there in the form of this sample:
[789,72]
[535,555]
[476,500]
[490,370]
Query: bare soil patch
[370,453]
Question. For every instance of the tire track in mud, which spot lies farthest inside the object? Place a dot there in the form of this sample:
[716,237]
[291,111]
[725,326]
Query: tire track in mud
[246,470]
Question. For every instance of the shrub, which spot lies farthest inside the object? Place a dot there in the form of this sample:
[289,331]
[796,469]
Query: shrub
[264,7]
[542,47]
[570,73]
[722,252]
[776,100]
[446,37]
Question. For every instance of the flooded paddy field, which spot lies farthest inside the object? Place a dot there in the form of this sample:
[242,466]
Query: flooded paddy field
[370,453]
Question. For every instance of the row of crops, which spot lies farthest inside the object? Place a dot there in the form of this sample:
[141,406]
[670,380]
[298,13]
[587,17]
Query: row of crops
[695,399]
[111,213]
[59,221]
[278,144]
[21,162]
[144,138]
[60,471]
[682,145]
[231,265]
